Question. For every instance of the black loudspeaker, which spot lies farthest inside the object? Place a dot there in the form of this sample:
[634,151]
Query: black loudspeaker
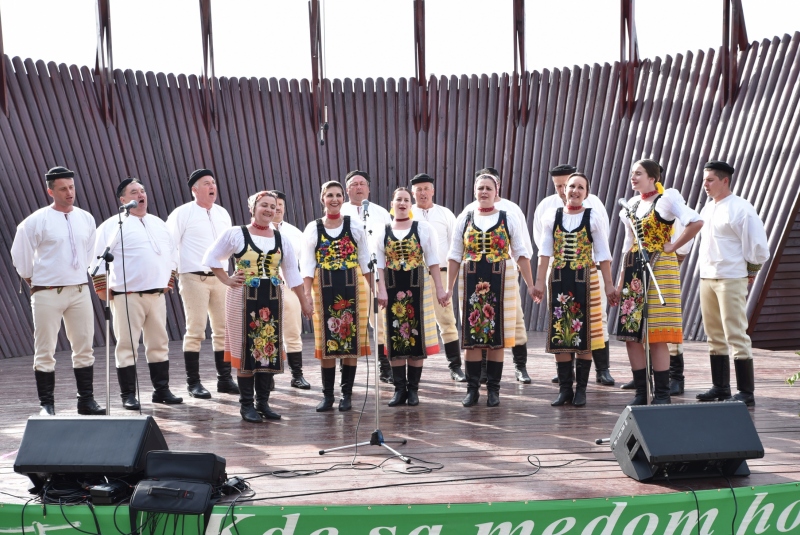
[86,446]
[204,467]
[688,440]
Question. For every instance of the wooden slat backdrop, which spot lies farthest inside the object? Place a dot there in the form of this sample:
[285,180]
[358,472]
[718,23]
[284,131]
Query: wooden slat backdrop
[267,139]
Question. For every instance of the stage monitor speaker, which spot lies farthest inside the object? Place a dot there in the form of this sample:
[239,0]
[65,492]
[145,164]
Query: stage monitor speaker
[90,446]
[686,440]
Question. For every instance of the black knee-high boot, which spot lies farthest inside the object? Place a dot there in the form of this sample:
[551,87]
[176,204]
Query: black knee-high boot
[583,369]
[602,359]
[745,381]
[414,375]
[640,382]
[225,383]
[400,386]
[473,382]
[720,379]
[246,387]
[452,351]
[494,372]
[263,383]
[565,378]
[676,374]
[385,366]
[328,382]
[295,361]
[348,379]
[84,378]
[661,388]
[45,387]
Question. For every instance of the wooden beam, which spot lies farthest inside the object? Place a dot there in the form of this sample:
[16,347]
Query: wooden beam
[628,56]
[104,60]
[734,40]
[208,84]
[521,82]
[319,109]
[421,95]
[3,84]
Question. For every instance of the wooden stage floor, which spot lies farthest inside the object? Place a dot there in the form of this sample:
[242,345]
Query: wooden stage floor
[502,446]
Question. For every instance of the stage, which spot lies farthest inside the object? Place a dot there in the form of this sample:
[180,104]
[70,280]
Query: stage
[465,461]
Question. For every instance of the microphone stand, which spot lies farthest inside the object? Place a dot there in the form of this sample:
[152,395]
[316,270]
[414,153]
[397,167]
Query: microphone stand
[644,261]
[376,439]
[107,258]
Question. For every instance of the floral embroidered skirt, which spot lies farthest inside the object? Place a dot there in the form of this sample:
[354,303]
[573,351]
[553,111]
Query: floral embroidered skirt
[409,318]
[665,323]
[254,330]
[574,315]
[341,305]
[488,304]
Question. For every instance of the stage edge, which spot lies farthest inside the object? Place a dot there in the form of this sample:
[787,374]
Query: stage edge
[765,510]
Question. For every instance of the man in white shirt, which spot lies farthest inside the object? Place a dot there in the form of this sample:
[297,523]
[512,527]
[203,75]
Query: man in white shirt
[292,311]
[145,259]
[444,222]
[520,349]
[560,175]
[195,226]
[733,247]
[52,250]
[357,183]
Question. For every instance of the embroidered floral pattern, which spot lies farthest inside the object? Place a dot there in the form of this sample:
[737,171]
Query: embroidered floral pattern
[341,328]
[494,244]
[654,232]
[631,305]
[483,303]
[251,275]
[567,321]
[340,253]
[405,325]
[403,254]
[263,331]
[572,247]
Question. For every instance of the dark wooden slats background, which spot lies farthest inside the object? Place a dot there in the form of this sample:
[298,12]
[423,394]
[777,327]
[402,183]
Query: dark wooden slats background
[267,139]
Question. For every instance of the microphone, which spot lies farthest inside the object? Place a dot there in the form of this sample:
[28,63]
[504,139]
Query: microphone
[127,206]
[625,206]
[365,208]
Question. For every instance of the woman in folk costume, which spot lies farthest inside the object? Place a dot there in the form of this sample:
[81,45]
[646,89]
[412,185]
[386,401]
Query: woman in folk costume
[334,257]
[664,224]
[406,249]
[485,241]
[577,240]
[254,302]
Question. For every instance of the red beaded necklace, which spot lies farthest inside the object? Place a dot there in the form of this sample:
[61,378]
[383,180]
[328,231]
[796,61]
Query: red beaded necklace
[332,216]
[486,210]
[649,194]
[400,220]
[574,208]
[259,227]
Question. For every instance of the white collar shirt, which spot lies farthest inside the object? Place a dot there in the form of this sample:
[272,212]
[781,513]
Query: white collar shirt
[54,248]
[150,253]
[193,230]
[443,222]
[732,236]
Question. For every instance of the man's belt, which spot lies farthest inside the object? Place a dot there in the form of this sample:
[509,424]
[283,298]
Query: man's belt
[141,292]
[202,273]
[35,289]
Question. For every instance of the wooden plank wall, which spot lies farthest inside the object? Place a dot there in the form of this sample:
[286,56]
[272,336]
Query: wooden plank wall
[266,139]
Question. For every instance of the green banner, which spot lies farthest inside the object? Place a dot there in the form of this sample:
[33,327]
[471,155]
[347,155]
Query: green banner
[765,510]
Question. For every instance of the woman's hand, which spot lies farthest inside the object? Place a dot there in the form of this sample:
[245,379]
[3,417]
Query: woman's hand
[308,310]
[443,297]
[537,292]
[235,281]
[383,297]
[669,247]
[612,294]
